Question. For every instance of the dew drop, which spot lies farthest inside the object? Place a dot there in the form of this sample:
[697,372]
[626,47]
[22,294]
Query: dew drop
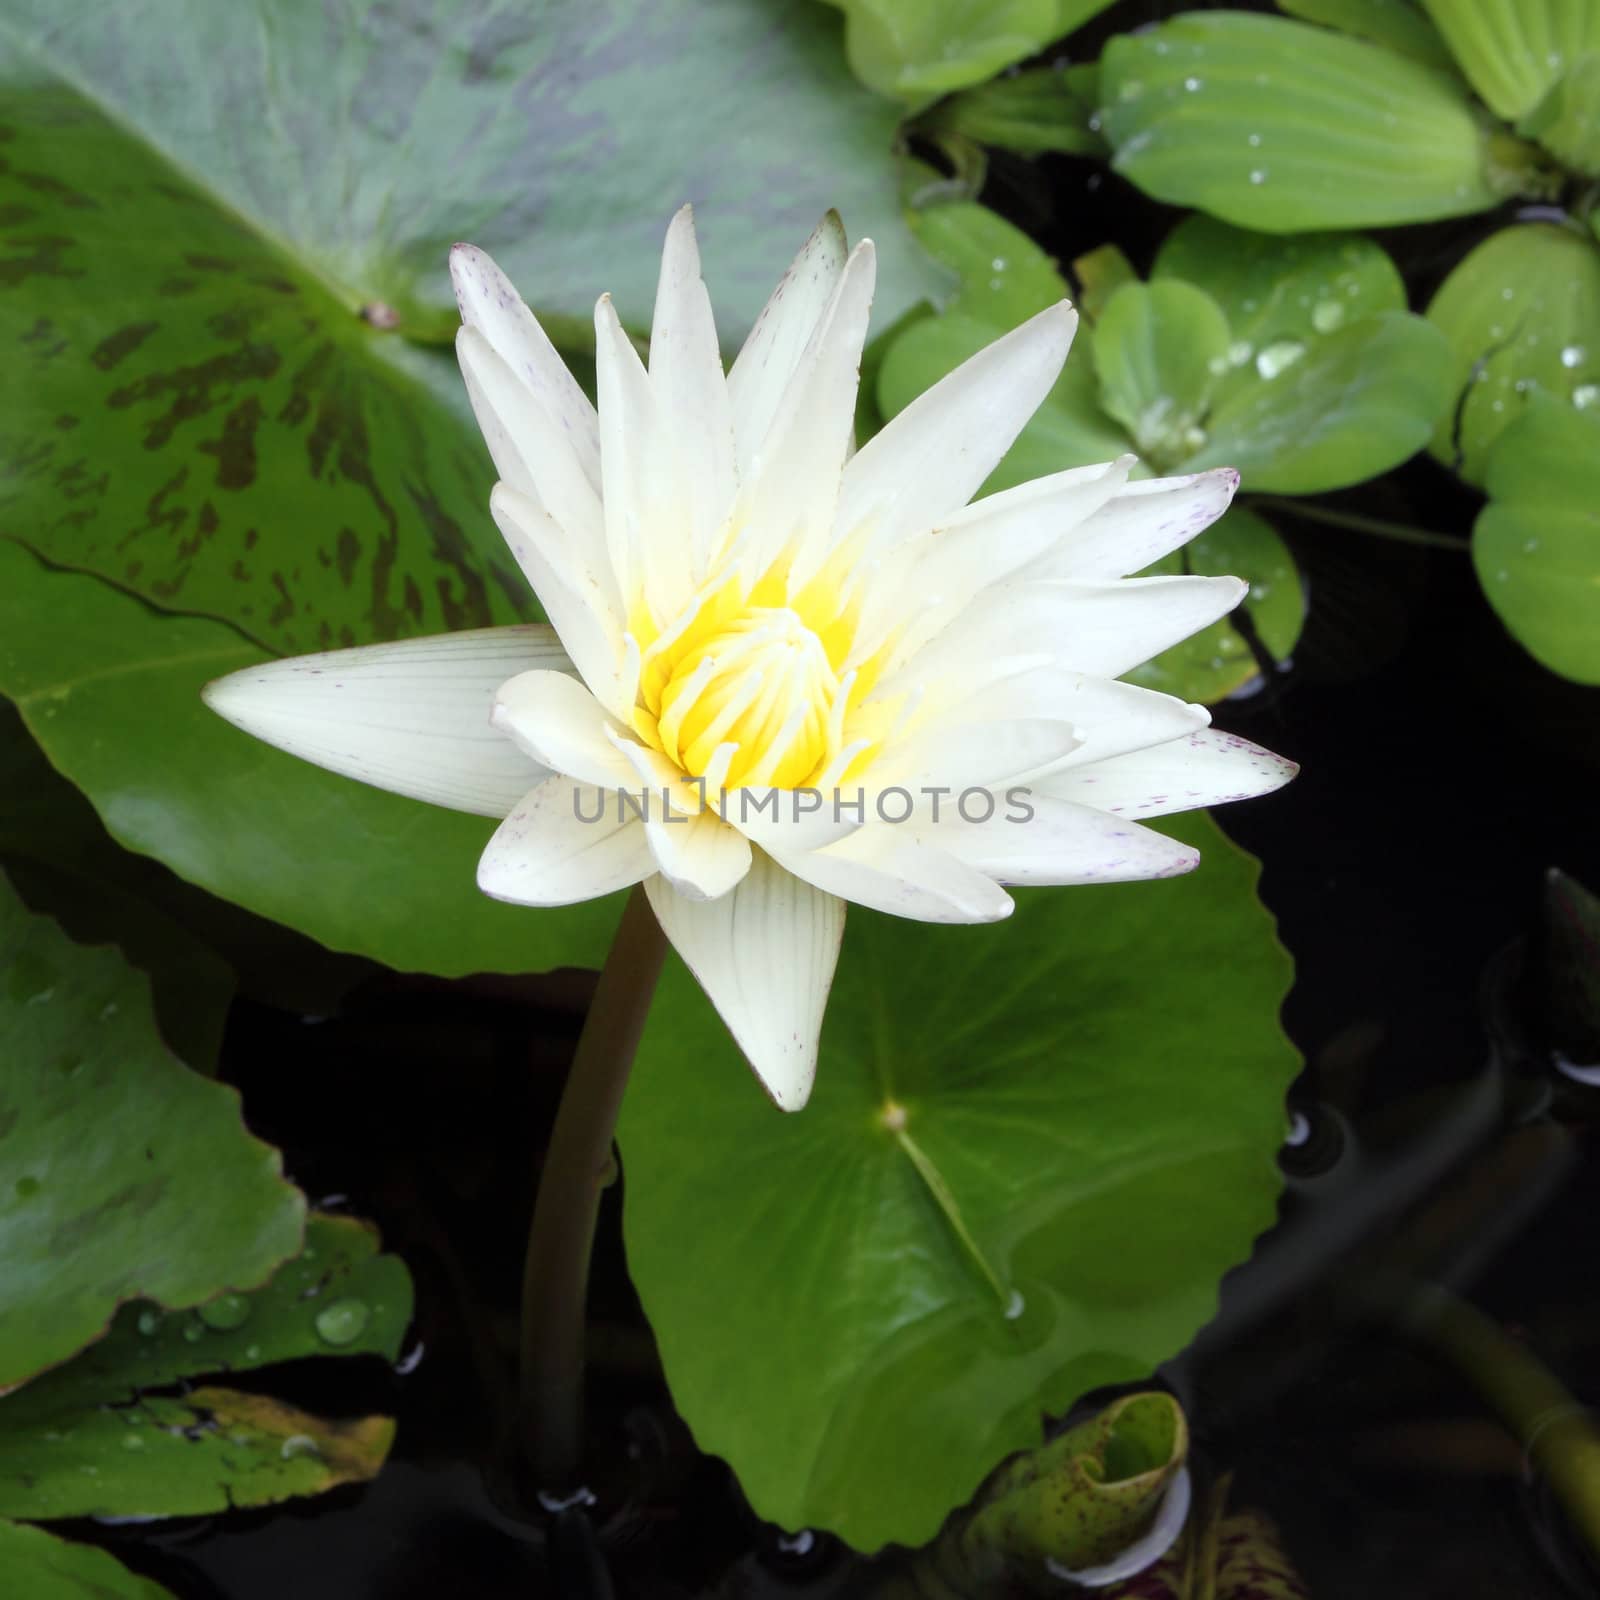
[252,1352]
[1508,293]
[1131,90]
[1529,546]
[1326,315]
[1015,1306]
[1573,356]
[1279,357]
[343,1322]
[1240,352]
[150,1321]
[132,1441]
[1192,84]
[298,1444]
[225,1312]
[1585,395]
[999,264]
[194,1330]
[1254,141]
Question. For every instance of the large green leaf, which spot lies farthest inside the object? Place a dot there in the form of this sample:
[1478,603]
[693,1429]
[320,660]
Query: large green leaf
[1286,127]
[114,700]
[1512,51]
[1033,1150]
[35,1565]
[916,50]
[118,1432]
[1522,314]
[361,138]
[126,1174]
[1536,545]
[194,202]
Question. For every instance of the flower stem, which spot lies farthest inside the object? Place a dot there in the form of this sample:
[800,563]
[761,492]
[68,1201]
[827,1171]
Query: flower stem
[577,1169]
[1399,532]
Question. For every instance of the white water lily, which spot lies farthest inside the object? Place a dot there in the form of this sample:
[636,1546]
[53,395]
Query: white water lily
[745,609]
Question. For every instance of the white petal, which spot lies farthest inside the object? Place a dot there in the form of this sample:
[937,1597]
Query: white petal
[1207,768]
[531,451]
[771,355]
[931,459]
[1101,628]
[557,722]
[787,820]
[934,575]
[695,479]
[893,869]
[993,729]
[490,304]
[1149,519]
[1039,839]
[412,717]
[765,955]
[696,851]
[1113,718]
[787,501]
[573,595]
[645,532]
[564,842]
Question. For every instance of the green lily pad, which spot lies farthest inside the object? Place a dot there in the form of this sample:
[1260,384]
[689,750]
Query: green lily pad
[1536,545]
[42,1567]
[1285,127]
[1513,51]
[916,50]
[1522,314]
[1033,1150]
[195,204]
[99,1436]
[1216,662]
[1031,112]
[1396,24]
[283,838]
[1159,350]
[126,1175]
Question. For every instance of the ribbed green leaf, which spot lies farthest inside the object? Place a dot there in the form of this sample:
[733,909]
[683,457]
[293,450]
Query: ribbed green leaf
[1567,121]
[1512,51]
[1536,545]
[1285,127]
[1396,24]
[1042,109]
[1522,314]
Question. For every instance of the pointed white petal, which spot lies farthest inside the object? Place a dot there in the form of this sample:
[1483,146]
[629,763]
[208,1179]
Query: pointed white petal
[556,721]
[787,500]
[562,843]
[1147,520]
[771,355]
[1038,839]
[765,955]
[787,820]
[930,460]
[995,728]
[696,851]
[490,304]
[633,464]
[934,575]
[1105,629]
[572,593]
[412,717]
[531,450]
[895,870]
[693,492]
[1206,768]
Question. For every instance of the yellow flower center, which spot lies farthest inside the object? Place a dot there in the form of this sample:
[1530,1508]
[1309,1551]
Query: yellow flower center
[761,681]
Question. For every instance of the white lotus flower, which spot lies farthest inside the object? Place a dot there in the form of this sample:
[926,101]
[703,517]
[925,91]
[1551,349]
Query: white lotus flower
[744,610]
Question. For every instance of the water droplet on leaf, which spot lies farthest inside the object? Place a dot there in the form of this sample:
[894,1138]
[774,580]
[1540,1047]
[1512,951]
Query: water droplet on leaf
[225,1312]
[343,1322]
[1326,315]
[1278,357]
